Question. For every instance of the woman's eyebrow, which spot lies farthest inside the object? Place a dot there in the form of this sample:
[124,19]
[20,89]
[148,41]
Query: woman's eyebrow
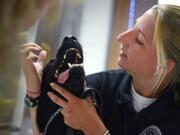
[139,30]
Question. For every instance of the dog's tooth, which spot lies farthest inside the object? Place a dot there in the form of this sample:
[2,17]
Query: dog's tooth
[70,65]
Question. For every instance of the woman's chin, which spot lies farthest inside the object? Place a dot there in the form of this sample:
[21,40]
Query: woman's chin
[121,62]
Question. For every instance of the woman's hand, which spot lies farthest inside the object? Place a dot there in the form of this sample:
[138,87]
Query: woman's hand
[78,113]
[32,66]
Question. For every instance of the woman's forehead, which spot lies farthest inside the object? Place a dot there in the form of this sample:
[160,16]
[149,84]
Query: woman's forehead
[146,24]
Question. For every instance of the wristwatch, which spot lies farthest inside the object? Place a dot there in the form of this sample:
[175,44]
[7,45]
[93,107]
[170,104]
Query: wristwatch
[31,102]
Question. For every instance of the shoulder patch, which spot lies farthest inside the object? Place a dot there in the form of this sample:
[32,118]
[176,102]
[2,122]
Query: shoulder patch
[151,130]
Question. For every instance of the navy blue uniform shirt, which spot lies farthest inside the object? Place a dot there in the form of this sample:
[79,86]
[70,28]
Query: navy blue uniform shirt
[162,117]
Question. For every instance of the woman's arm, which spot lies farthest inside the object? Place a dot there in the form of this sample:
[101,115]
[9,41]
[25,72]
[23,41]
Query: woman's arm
[32,66]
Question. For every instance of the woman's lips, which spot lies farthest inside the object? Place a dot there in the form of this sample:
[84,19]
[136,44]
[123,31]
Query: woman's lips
[122,54]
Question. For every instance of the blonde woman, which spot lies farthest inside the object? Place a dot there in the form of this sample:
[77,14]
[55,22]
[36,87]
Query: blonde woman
[143,97]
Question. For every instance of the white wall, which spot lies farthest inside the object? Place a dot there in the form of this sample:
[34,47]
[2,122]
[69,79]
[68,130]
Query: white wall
[95,33]
[175,2]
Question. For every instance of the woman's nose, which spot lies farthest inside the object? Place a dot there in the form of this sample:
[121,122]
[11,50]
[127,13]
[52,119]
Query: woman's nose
[125,37]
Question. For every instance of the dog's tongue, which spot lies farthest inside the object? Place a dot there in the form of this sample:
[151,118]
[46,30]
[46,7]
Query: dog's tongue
[63,76]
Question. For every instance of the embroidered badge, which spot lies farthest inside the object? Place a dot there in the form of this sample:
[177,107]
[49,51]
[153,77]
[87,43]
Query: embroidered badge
[151,130]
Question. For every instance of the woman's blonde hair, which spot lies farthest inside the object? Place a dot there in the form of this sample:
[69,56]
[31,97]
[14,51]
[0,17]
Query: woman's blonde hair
[167,43]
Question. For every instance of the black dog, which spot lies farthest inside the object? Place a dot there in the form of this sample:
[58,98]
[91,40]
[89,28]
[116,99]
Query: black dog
[66,70]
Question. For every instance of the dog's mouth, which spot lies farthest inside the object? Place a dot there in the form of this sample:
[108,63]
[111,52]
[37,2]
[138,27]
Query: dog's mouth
[72,53]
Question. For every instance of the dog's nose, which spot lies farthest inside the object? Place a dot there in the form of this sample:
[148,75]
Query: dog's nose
[69,38]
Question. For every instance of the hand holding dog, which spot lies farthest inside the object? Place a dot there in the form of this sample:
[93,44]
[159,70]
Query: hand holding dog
[78,113]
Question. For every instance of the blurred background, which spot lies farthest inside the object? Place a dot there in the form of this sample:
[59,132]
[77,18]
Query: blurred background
[95,23]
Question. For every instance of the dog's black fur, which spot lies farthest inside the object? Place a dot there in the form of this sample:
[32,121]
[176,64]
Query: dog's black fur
[75,84]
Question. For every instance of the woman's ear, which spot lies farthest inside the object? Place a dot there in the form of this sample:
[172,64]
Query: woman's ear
[170,65]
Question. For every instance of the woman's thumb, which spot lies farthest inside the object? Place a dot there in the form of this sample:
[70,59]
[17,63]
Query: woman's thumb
[42,57]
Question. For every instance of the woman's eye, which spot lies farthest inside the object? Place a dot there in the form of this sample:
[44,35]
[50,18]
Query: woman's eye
[138,41]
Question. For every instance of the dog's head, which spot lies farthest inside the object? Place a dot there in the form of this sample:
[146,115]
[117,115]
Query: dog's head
[69,52]
[69,71]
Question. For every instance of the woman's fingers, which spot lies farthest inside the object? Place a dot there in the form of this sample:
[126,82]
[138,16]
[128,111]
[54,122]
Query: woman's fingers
[66,94]
[30,44]
[76,112]
[25,52]
[32,56]
[42,57]
[57,100]
[30,47]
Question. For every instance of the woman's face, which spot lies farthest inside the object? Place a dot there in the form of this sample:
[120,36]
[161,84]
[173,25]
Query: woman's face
[137,51]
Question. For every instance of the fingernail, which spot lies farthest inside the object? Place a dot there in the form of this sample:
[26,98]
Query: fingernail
[49,93]
[52,84]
